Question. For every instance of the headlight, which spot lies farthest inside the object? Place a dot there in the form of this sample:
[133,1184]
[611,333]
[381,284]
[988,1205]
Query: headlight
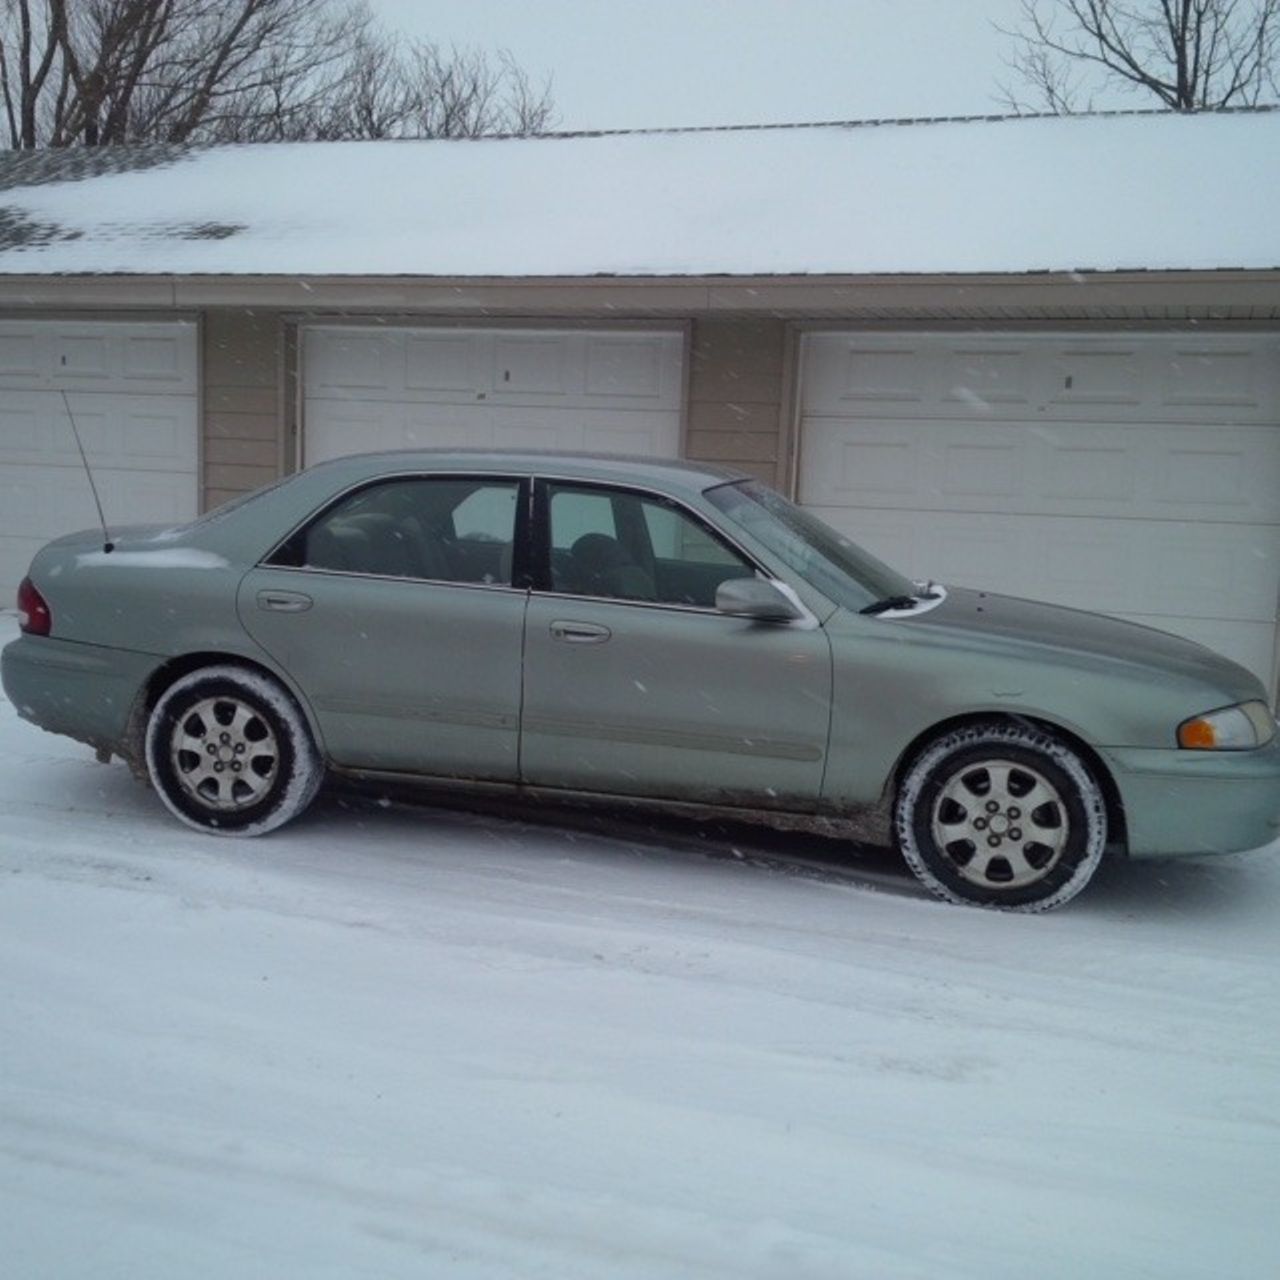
[1230,729]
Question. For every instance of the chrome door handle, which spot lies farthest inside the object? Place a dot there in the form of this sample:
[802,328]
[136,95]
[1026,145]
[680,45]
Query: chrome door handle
[284,601]
[579,632]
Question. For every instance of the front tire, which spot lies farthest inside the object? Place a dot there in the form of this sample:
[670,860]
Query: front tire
[229,752]
[1001,815]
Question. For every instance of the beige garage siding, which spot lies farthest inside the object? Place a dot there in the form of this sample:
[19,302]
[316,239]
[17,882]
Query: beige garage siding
[735,395]
[241,355]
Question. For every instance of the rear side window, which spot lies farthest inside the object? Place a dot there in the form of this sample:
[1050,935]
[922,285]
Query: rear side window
[438,530]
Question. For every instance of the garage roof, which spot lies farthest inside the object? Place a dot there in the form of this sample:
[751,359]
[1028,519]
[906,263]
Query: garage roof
[1140,191]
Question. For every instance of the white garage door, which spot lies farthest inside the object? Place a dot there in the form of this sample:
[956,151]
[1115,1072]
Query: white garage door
[614,391]
[132,389]
[1133,475]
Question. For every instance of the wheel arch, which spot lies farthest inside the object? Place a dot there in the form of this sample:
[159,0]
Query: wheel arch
[1117,828]
[173,669]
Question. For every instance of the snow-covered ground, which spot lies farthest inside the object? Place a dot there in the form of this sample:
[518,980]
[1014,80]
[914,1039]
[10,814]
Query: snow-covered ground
[391,1042]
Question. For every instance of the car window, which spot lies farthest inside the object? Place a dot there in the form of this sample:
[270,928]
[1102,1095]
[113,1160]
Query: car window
[840,569]
[488,514]
[675,537]
[443,530]
[626,546]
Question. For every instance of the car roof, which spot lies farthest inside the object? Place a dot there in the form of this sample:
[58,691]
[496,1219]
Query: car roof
[668,474]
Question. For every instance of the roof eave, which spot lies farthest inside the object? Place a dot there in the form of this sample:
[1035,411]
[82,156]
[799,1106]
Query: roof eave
[1248,293]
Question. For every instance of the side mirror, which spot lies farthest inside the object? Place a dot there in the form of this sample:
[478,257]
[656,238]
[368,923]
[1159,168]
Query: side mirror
[755,598]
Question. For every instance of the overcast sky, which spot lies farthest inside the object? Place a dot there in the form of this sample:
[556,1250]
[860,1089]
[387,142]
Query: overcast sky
[655,63]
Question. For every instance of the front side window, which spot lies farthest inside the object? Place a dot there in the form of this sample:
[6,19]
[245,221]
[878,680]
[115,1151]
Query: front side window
[442,530]
[628,546]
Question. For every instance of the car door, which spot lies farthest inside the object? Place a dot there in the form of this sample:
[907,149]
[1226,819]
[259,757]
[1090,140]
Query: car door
[394,613]
[636,685]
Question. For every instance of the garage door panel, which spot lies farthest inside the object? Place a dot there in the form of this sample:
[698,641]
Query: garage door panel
[377,425]
[982,470]
[529,367]
[1189,379]
[1110,468]
[872,376]
[1093,466]
[148,432]
[1202,376]
[82,357]
[44,502]
[151,432]
[1094,376]
[19,358]
[618,365]
[151,497]
[353,363]
[96,356]
[602,391]
[983,377]
[445,365]
[154,358]
[1113,566]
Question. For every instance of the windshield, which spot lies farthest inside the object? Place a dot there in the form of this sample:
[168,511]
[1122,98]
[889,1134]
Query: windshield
[825,559]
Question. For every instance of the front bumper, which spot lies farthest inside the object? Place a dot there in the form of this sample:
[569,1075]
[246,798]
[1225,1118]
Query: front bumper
[82,690]
[1196,802]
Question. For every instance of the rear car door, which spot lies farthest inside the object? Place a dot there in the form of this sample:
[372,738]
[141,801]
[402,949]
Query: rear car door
[394,613]
[636,685]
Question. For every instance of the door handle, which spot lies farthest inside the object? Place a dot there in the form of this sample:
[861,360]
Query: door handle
[284,601]
[580,632]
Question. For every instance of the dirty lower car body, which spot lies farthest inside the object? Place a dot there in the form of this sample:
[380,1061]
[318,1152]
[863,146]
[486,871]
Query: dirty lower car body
[634,632]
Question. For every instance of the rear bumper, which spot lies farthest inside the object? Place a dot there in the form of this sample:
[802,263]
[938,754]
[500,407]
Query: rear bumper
[84,691]
[1198,802]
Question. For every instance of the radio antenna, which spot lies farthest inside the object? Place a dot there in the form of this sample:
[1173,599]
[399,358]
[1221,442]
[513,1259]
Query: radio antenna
[107,544]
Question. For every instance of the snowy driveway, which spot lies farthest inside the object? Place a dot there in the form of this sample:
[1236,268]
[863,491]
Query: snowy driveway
[407,1043]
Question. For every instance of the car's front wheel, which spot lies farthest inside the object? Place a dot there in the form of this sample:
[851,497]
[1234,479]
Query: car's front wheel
[228,751]
[1001,814]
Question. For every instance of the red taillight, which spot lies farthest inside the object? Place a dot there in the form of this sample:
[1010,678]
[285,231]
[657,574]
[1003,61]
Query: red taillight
[33,613]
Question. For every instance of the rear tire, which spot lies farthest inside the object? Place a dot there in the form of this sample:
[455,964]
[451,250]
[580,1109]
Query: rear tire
[1001,815]
[229,752]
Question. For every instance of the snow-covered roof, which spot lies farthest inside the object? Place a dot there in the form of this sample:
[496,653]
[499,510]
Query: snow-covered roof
[1081,193]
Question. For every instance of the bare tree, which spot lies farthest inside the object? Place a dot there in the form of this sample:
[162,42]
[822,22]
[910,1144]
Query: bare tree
[97,72]
[1192,55]
[462,93]
[415,90]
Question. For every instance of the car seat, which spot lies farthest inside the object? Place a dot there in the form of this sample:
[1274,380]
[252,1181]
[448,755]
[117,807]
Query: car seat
[600,566]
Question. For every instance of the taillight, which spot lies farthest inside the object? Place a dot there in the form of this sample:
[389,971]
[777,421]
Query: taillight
[33,613]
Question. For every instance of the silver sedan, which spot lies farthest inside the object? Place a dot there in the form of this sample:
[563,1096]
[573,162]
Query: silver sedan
[641,633]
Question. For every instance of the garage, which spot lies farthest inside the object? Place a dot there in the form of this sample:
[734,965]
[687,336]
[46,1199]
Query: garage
[1133,474]
[132,389]
[598,391]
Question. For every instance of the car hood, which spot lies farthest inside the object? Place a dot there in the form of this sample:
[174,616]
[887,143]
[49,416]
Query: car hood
[1088,639]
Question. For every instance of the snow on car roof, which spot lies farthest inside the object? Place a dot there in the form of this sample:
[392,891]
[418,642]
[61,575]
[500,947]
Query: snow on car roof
[1141,191]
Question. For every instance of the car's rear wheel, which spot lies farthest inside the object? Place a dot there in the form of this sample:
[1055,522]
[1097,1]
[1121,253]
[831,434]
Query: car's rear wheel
[228,751]
[1003,815]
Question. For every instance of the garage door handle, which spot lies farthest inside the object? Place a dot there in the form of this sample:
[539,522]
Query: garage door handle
[580,632]
[283,601]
